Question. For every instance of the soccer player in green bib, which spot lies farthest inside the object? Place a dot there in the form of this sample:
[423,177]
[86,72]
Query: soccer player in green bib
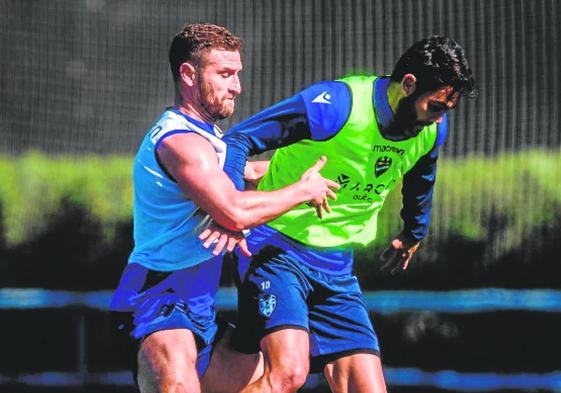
[298,298]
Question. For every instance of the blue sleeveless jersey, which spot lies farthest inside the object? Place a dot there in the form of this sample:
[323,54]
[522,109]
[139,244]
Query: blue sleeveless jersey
[166,222]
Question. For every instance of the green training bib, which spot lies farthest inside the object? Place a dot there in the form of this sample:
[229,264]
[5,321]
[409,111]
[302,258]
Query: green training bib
[361,160]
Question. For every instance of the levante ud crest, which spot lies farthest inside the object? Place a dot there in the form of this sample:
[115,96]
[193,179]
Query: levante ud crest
[382,165]
[267,304]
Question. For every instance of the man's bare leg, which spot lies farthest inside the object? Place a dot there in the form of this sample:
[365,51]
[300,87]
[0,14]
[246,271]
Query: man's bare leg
[286,362]
[167,363]
[229,370]
[357,373]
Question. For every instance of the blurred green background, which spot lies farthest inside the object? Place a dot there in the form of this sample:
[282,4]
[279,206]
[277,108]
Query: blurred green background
[496,222]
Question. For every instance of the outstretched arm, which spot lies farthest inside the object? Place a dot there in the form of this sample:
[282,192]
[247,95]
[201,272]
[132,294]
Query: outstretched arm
[299,117]
[192,162]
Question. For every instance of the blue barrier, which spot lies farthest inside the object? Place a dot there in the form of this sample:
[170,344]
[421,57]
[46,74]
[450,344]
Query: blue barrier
[384,302]
[472,382]
[465,301]
[396,377]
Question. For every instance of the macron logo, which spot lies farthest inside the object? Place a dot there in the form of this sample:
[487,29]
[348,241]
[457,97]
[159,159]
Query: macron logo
[323,98]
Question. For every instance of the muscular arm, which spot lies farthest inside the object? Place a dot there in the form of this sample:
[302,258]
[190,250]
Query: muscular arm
[192,162]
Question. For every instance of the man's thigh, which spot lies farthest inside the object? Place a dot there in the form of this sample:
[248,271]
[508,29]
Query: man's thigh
[339,321]
[271,297]
[166,358]
[180,301]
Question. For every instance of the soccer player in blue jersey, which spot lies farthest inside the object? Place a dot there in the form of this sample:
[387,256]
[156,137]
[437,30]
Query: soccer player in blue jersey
[167,289]
[298,297]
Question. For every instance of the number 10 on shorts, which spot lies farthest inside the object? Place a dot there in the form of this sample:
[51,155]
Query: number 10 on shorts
[265,285]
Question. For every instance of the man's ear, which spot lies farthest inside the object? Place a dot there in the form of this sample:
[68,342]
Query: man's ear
[187,73]
[408,84]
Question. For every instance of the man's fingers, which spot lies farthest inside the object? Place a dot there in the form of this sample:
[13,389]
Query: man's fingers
[400,261]
[220,245]
[405,263]
[205,234]
[315,168]
[396,270]
[232,241]
[331,195]
[211,239]
[388,265]
[386,254]
[332,184]
[319,211]
[319,164]
[326,206]
[408,257]
[243,248]
[223,240]
[392,260]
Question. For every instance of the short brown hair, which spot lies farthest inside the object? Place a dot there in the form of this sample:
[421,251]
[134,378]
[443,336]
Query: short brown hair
[195,39]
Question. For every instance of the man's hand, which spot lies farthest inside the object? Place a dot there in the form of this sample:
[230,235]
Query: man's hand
[223,237]
[396,257]
[319,187]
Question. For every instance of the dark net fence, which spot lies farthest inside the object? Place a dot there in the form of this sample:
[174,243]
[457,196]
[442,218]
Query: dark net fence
[90,76]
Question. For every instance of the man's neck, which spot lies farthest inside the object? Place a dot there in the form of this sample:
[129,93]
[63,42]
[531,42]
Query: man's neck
[192,110]
[395,93]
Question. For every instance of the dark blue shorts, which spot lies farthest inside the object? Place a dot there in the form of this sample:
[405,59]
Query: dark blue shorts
[183,299]
[277,292]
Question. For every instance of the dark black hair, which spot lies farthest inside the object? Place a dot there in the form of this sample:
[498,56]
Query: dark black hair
[436,62]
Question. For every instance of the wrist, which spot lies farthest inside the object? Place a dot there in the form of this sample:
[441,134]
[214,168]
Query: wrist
[304,193]
[407,239]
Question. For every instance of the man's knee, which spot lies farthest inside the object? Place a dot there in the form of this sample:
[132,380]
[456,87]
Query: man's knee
[287,379]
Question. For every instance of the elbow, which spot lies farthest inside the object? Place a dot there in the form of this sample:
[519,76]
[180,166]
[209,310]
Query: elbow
[236,220]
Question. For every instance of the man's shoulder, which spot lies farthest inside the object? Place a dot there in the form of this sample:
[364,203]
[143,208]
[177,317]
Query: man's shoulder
[189,143]
[172,123]
[328,106]
[332,92]
[170,119]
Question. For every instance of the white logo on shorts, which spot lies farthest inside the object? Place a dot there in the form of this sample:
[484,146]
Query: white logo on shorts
[267,304]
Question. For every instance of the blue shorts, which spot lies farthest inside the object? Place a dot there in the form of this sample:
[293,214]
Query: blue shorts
[277,292]
[182,299]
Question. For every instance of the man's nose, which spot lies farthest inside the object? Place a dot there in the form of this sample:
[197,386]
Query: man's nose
[236,86]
